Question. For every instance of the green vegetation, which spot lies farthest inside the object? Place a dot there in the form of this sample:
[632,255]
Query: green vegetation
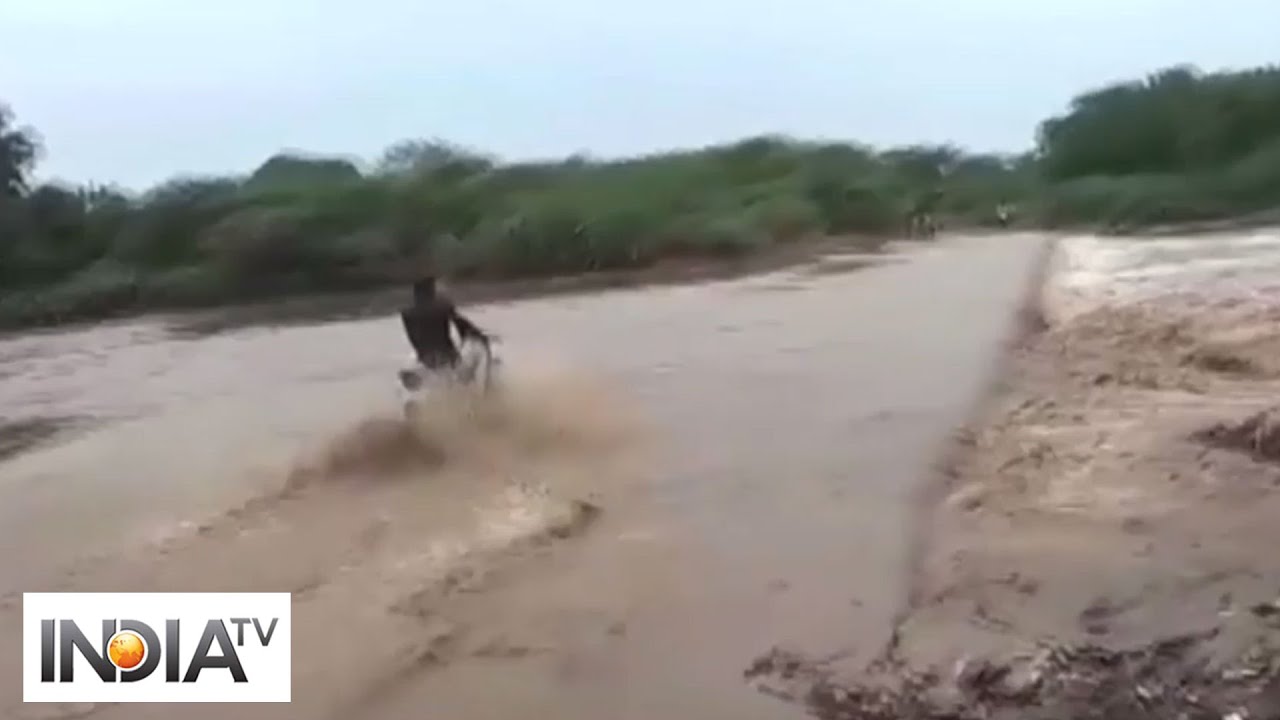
[300,224]
[1178,146]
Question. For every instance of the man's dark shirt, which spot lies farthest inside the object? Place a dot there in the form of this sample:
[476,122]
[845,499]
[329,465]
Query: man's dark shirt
[427,325]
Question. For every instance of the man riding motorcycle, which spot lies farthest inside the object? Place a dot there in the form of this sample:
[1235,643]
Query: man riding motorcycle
[426,324]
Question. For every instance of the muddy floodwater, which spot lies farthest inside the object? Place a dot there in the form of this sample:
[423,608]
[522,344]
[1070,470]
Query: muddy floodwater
[673,481]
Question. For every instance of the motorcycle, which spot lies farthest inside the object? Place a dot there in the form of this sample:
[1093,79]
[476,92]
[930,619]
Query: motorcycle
[478,369]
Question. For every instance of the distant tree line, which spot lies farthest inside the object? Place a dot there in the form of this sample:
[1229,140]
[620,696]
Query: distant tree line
[1179,145]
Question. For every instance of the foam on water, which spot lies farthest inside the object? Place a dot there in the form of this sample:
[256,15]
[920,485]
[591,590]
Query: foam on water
[476,472]
[1091,272]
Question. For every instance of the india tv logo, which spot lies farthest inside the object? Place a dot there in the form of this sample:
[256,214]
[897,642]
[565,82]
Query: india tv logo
[156,647]
[126,649]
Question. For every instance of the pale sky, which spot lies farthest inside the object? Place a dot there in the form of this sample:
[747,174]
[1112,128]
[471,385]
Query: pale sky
[136,91]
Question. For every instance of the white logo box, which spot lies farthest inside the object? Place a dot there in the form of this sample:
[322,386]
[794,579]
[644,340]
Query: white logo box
[231,626]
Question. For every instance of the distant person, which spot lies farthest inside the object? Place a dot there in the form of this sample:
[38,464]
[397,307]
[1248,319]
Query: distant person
[923,223]
[427,322]
[1004,214]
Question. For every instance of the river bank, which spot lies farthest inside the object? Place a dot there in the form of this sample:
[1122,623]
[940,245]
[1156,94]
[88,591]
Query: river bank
[849,251]
[364,302]
[817,256]
[1103,544]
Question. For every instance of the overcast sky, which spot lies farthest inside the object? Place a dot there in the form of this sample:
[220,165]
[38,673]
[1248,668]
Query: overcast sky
[135,91]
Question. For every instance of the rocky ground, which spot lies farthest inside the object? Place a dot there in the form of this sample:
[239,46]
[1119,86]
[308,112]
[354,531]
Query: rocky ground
[1106,540]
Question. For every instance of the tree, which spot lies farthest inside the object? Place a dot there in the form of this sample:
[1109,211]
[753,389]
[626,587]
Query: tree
[293,171]
[19,150]
[1177,120]
[413,157]
[924,164]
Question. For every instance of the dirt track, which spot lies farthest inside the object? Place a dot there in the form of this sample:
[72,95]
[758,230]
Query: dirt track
[1105,542]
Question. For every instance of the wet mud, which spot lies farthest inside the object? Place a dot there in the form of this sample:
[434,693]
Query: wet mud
[1171,678]
[1257,435]
[1101,542]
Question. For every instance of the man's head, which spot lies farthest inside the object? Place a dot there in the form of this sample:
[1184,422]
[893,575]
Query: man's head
[424,289]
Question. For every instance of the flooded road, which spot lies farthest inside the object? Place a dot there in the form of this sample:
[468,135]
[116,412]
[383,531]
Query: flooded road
[754,445]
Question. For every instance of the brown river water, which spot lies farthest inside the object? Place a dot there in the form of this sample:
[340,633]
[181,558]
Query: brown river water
[754,448]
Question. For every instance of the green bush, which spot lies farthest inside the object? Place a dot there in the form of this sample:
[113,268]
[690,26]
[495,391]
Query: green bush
[185,286]
[787,217]
[259,240]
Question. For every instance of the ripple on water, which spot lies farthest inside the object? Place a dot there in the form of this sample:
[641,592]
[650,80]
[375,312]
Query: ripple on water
[19,435]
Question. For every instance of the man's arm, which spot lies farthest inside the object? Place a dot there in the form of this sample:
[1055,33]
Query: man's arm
[466,328]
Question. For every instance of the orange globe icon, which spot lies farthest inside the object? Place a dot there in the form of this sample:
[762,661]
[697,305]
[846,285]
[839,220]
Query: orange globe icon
[126,650]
